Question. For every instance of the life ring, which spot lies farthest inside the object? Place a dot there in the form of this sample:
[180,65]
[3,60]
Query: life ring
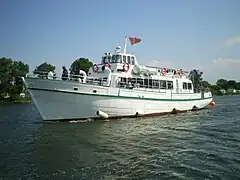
[95,68]
[108,64]
[126,67]
[163,71]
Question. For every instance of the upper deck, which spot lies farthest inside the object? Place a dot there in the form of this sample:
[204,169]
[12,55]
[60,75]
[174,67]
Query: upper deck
[126,64]
[118,67]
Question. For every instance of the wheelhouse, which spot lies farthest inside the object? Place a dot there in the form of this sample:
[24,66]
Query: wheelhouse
[119,58]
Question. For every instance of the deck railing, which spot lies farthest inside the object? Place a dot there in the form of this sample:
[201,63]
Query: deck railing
[80,78]
[103,81]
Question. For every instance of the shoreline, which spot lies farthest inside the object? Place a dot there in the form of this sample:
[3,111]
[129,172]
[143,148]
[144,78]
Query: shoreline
[18,101]
[235,94]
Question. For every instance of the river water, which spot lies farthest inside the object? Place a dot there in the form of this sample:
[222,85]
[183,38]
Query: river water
[194,145]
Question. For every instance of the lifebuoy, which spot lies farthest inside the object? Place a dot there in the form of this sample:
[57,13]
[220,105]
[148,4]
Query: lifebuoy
[95,68]
[163,71]
[126,67]
[108,64]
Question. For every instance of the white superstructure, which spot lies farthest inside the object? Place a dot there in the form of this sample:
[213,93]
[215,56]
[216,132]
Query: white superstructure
[117,87]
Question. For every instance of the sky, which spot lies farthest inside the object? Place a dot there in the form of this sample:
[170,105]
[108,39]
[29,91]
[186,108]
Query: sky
[187,34]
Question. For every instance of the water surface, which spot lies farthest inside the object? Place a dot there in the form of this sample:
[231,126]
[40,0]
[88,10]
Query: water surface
[195,145]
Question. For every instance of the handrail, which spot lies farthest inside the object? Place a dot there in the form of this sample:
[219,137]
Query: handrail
[81,78]
[103,81]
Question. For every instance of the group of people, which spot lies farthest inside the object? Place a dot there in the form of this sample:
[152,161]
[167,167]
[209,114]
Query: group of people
[52,74]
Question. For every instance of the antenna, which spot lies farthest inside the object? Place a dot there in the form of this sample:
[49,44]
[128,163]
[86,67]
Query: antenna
[125,45]
[117,43]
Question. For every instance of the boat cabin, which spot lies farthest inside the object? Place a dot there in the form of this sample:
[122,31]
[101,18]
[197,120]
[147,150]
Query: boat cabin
[122,70]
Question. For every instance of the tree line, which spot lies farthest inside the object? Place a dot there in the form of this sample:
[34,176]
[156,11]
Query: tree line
[12,71]
[229,86]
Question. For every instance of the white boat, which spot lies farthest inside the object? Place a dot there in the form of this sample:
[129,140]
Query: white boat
[117,87]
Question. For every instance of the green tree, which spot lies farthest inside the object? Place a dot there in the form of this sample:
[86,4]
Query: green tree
[10,76]
[44,68]
[216,90]
[80,64]
[5,73]
[222,83]
[238,86]
[232,84]
[205,84]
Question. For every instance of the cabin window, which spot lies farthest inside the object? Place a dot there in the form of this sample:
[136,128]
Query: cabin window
[124,59]
[170,84]
[140,82]
[132,60]
[190,86]
[113,60]
[163,84]
[128,60]
[156,84]
[150,83]
[184,85]
[98,81]
[105,59]
[146,83]
[134,80]
[117,59]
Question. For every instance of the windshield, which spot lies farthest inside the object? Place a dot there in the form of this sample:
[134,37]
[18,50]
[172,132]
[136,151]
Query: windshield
[116,59]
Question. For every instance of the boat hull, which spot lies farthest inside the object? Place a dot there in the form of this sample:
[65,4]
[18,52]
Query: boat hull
[63,104]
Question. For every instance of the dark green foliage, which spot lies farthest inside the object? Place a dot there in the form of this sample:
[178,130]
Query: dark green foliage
[232,84]
[80,64]
[216,90]
[205,84]
[44,67]
[10,77]
[223,83]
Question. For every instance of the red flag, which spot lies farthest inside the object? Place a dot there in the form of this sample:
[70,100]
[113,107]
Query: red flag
[134,40]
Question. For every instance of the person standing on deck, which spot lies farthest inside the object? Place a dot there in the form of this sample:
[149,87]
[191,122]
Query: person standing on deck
[64,73]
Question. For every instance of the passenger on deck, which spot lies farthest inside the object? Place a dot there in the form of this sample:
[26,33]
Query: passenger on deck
[64,73]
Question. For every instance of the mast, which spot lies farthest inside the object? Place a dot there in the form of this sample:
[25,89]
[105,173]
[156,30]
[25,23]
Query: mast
[125,45]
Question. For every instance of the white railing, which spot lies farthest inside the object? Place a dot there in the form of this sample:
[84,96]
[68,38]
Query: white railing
[81,78]
[104,81]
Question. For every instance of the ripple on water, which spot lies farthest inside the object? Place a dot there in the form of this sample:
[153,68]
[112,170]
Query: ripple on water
[195,145]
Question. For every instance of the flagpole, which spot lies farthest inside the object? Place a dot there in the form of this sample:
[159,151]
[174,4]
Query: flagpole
[125,45]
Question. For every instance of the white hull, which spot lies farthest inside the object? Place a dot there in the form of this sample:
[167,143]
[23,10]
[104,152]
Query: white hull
[58,100]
